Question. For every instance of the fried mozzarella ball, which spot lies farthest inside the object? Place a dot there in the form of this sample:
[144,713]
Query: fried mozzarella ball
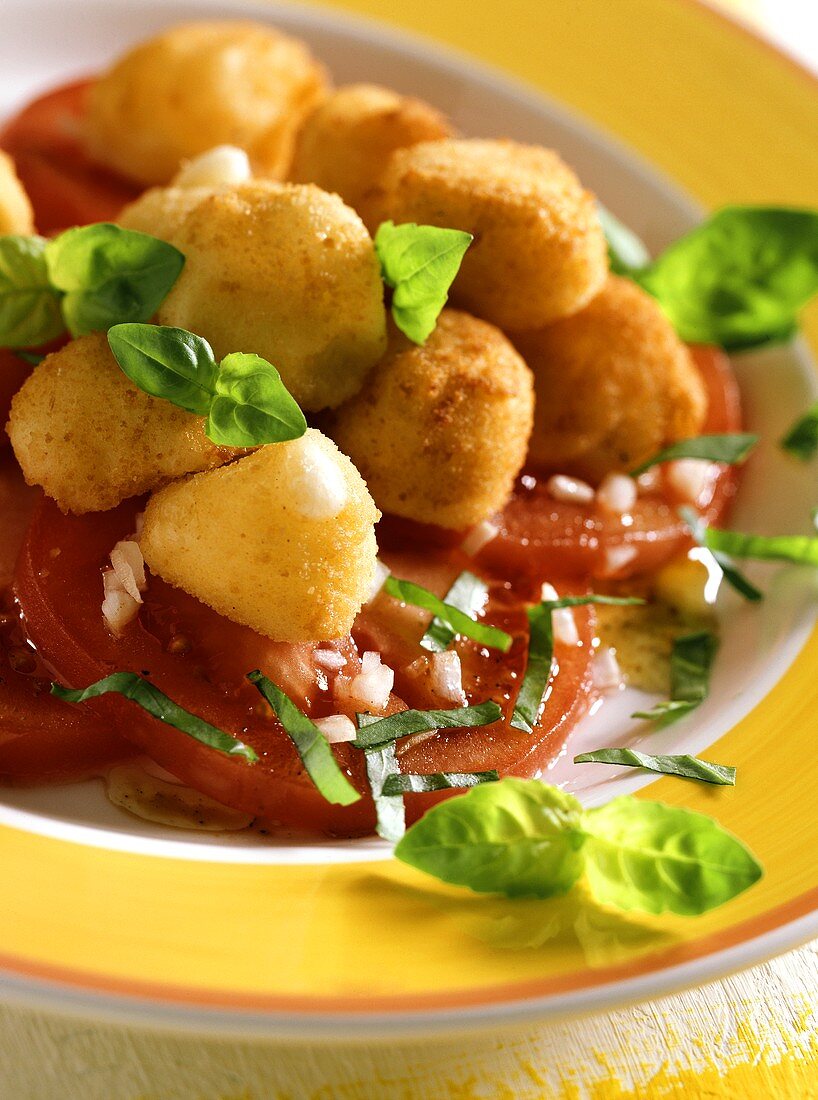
[289,272]
[538,253]
[282,541]
[614,385]
[345,143]
[197,85]
[440,431]
[90,438]
[16,215]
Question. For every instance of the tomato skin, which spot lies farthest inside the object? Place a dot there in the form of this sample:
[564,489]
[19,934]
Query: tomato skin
[65,187]
[542,537]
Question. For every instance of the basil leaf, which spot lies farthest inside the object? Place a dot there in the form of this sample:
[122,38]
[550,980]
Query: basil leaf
[648,856]
[374,731]
[457,620]
[33,358]
[625,250]
[157,704]
[740,279]
[251,405]
[531,695]
[381,766]
[436,781]
[516,837]
[732,574]
[167,362]
[795,549]
[420,263]
[730,449]
[29,306]
[801,440]
[690,664]
[468,594]
[689,767]
[110,275]
[310,743]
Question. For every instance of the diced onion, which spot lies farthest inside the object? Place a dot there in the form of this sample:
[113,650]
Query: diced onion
[129,566]
[337,728]
[616,494]
[370,689]
[650,481]
[329,658]
[563,622]
[447,677]
[224,165]
[118,606]
[569,490]
[617,557]
[605,671]
[691,477]
[480,535]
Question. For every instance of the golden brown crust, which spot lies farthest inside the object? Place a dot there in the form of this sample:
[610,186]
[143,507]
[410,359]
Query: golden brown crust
[614,385]
[439,432]
[16,214]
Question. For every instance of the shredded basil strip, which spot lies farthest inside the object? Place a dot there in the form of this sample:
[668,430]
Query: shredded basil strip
[730,449]
[157,704]
[374,731]
[626,252]
[436,781]
[689,767]
[468,594]
[795,549]
[732,574]
[381,766]
[801,440]
[531,695]
[690,665]
[457,620]
[310,743]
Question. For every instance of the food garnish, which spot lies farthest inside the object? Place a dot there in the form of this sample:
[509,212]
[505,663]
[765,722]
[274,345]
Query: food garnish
[801,441]
[436,781]
[730,449]
[459,622]
[468,594]
[689,767]
[374,732]
[690,665]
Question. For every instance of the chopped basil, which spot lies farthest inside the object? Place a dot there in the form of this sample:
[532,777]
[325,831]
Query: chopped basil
[740,279]
[625,250]
[468,594]
[522,838]
[420,263]
[374,731]
[381,766]
[690,664]
[731,449]
[152,700]
[689,767]
[29,306]
[243,397]
[732,574]
[795,549]
[310,743]
[453,617]
[33,358]
[801,440]
[108,275]
[435,781]
[541,653]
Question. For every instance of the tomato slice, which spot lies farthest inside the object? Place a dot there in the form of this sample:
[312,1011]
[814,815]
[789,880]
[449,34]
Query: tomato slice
[541,536]
[65,187]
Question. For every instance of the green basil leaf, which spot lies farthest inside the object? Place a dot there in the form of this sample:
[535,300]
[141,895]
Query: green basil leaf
[691,662]
[740,279]
[251,405]
[33,358]
[390,815]
[374,731]
[455,619]
[689,767]
[732,574]
[516,837]
[801,440]
[110,275]
[531,695]
[420,263]
[167,362]
[468,594]
[310,743]
[626,251]
[795,549]
[648,856]
[157,704]
[730,449]
[29,306]
[436,781]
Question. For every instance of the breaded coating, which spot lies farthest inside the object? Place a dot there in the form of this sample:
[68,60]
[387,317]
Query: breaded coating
[16,215]
[282,541]
[614,385]
[161,211]
[90,438]
[290,273]
[345,144]
[440,431]
[202,84]
[539,252]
